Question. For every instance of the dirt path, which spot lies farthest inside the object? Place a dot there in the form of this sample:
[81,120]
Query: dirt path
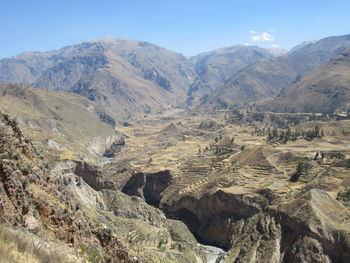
[273,163]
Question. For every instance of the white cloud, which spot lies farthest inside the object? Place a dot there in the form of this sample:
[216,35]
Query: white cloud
[275,46]
[263,37]
[252,31]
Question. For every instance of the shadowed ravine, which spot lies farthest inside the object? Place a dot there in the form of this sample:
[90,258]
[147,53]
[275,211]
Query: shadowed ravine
[150,188]
[125,152]
[249,224]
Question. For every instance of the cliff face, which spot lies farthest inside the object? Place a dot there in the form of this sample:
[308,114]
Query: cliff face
[31,196]
[311,228]
[70,202]
[148,186]
[256,226]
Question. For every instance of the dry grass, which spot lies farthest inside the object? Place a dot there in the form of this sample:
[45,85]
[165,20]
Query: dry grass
[65,118]
[45,197]
[19,246]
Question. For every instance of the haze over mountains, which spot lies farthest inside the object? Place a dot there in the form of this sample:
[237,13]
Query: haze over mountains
[265,78]
[325,89]
[115,150]
[215,67]
[131,78]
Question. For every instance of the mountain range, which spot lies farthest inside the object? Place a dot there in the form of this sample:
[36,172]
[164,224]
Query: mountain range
[214,68]
[128,77]
[325,89]
[105,155]
[265,78]
[131,78]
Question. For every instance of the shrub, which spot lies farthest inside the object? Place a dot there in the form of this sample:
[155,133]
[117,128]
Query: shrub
[301,168]
[17,246]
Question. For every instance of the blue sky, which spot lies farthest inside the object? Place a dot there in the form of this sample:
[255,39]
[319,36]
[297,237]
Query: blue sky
[188,27]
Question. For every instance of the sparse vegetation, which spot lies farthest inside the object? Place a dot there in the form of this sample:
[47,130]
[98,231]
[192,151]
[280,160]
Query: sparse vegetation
[18,246]
[217,158]
[344,197]
[301,168]
[90,254]
[283,136]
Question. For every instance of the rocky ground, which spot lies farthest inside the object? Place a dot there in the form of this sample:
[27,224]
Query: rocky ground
[64,203]
[178,183]
[233,189]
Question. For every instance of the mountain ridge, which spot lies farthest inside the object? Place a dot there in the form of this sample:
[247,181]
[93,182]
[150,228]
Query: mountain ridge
[215,67]
[325,89]
[265,78]
[132,78]
[128,77]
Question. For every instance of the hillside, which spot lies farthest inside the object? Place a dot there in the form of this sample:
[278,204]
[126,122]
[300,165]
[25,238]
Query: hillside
[265,78]
[215,67]
[62,121]
[325,89]
[128,77]
[133,78]
[53,213]
[232,187]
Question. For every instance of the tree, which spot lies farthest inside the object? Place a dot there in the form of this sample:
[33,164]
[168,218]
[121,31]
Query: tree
[287,135]
[274,132]
[317,131]
[301,168]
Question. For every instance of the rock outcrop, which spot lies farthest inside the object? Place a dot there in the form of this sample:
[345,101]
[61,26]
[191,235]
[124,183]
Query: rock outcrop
[115,148]
[311,228]
[73,203]
[148,186]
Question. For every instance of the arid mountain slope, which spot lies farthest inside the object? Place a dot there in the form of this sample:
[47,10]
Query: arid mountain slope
[325,89]
[265,78]
[233,189]
[128,77]
[215,67]
[59,120]
[133,78]
[59,202]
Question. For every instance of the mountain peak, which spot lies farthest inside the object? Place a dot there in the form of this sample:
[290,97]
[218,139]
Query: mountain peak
[111,39]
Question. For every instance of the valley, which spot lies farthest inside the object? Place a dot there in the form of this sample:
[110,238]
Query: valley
[123,151]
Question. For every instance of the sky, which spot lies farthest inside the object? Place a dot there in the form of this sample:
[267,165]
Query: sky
[188,27]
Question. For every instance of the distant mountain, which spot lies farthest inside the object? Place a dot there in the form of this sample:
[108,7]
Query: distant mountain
[325,89]
[265,78]
[132,78]
[214,68]
[128,77]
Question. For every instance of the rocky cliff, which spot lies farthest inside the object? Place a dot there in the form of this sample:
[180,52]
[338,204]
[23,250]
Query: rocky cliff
[66,202]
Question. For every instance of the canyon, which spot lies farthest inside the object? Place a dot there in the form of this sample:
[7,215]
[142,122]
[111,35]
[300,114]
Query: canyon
[123,151]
